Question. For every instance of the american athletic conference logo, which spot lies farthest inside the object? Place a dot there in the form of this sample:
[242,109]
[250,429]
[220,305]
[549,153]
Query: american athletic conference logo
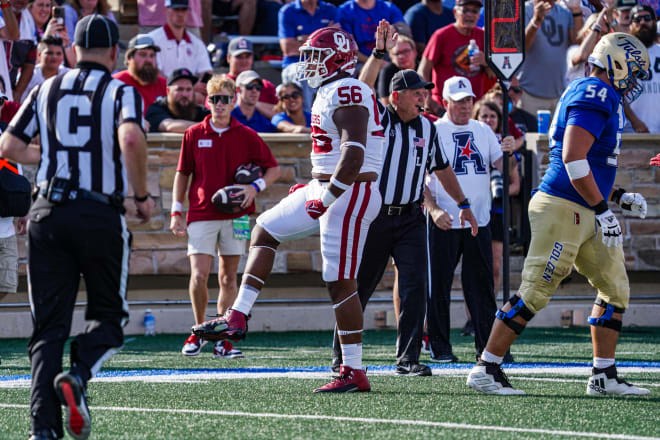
[466,151]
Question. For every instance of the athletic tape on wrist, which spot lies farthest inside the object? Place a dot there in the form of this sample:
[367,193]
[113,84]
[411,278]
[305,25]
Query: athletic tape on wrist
[328,198]
[352,144]
[577,169]
[338,184]
[177,207]
[348,332]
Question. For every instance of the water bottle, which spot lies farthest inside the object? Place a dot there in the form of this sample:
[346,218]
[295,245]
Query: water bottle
[149,323]
[473,50]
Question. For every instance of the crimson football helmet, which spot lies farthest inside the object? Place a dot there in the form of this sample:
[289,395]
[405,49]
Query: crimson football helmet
[326,52]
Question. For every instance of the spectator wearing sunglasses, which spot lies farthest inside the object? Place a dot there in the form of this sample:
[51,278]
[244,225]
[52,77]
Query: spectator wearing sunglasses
[177,111]
[250,85]
[292,118]
[642,114]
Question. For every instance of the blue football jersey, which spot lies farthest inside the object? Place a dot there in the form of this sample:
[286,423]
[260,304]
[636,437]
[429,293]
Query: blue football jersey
[595,106]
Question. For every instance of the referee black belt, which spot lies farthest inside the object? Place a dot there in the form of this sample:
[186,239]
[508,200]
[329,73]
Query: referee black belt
[116,201]
[398,209]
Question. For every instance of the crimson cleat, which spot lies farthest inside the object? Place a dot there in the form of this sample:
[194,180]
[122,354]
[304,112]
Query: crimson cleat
[349,380]
[232,325]
[71,392]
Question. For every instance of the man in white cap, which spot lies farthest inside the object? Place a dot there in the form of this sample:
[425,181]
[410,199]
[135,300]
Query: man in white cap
[249,85]
[472,150]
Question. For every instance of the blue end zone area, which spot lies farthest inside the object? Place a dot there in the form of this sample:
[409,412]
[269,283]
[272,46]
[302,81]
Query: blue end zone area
[370,368]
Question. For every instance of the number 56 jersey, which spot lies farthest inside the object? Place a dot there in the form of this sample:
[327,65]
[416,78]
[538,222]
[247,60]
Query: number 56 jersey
[326,139]
[596,107]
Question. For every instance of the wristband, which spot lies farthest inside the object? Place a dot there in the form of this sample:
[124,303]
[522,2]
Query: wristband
[327,198]
[464,204]
[534,24]
[616,195]
[260,184]
[176,207]
[596,28]
[379,54]
[175,213]
[577,14]
[600,208]
[141,199]
[338,184]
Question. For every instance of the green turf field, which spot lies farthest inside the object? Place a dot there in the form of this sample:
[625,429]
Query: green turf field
[150,391]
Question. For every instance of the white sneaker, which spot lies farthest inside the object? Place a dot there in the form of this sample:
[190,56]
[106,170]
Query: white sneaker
[193,345]
[489,378]
[605,382]
[225,350]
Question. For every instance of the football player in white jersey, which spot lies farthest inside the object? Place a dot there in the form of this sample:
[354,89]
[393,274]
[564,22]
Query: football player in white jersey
[341,201]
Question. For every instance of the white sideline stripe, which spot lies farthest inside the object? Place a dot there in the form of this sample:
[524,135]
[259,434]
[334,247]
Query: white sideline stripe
[362,420]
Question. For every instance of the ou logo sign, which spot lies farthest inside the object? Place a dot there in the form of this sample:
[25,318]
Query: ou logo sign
[343,45]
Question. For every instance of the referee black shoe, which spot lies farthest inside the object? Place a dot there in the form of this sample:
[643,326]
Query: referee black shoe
[71,391]
[411,369]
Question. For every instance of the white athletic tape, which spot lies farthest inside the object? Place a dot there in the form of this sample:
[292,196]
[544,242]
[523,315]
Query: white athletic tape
[336,306]
[348,332]
[328,198]
[352,144]
[249,275]
[577,169]
[263,247]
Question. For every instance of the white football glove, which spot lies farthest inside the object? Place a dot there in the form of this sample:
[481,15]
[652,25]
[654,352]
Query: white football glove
[633,204]
[610,228]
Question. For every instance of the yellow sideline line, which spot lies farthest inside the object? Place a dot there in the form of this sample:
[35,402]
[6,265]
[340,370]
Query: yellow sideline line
[363,420]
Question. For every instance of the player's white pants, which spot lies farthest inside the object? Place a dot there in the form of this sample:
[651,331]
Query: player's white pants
[343,227]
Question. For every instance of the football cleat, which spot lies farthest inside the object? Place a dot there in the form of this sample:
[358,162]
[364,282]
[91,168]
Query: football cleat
[193,345]
[348,381]
[232,325]
[489,378]
[413,369]
[606,382]
[71,392]
[43,434]
[225,350]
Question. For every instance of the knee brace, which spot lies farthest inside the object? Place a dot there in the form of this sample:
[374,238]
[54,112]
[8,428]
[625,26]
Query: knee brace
[606,320]
[518,307]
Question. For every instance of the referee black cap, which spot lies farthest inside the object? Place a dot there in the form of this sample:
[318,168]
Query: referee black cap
[408,79]
[96,31]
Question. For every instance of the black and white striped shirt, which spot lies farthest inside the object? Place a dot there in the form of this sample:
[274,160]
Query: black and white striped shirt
[77,115]
[411,149]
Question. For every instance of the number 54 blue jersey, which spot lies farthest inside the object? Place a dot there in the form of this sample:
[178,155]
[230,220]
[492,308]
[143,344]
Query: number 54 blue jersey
[595,106]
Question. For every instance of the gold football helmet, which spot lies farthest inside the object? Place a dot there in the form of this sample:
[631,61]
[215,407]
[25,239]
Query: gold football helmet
[626,61]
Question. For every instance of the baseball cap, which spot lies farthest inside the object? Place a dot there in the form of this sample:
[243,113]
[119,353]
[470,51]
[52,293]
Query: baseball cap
[469,2]
[640,8]
[141,41]
[457,88]
[246,77]
[95,31]
[408,79]
[177,74]
[624,4]
[176,4]
[239,45]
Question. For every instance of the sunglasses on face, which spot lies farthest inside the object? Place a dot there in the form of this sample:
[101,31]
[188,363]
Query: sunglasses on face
[225,99]
[641,18]
[254,86]
[294,95]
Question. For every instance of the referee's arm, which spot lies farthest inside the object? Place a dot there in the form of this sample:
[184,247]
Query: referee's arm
[16,149]
[450,183]
[133,146]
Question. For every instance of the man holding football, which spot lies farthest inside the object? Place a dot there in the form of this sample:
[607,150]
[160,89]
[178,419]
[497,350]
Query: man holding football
[570,220]
[341,201]
[211,153]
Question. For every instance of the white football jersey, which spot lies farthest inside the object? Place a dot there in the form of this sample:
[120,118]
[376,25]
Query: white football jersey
[325,136]
[471,151]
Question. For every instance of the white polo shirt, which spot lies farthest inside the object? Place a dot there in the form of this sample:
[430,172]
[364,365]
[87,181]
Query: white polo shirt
[190,52]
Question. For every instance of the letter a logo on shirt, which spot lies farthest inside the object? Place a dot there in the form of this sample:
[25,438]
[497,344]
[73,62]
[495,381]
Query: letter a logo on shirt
[465,151]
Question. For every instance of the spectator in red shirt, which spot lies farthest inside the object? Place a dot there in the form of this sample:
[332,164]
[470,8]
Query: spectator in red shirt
[142,71]
[8,109]
[240,58]
[446,54]
[211,151]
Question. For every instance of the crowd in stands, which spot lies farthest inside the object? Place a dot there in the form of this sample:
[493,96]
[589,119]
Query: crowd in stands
[434,39]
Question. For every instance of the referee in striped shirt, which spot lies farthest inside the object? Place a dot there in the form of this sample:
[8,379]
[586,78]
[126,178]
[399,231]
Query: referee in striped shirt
[411,150]
[91,143]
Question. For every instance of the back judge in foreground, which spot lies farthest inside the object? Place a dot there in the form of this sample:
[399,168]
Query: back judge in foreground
[341,201]
[92,141]
[571,222]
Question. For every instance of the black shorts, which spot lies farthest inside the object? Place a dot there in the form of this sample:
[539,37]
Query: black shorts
[496,227]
